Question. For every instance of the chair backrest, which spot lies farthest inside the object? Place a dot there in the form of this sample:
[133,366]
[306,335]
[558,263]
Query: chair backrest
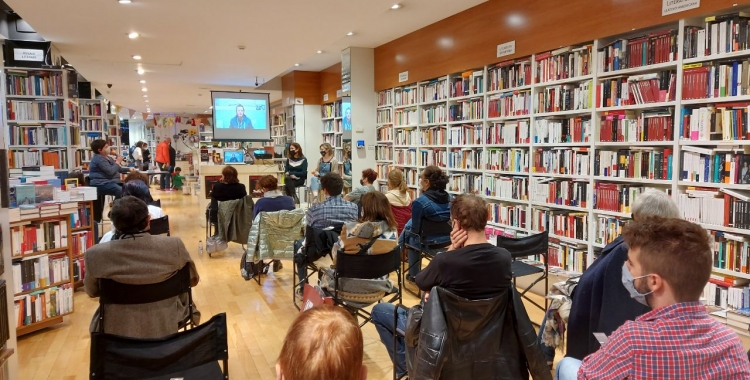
[156,203]
[319,243]
[402,215]
[113,292]
[525,246]
[159,226]
[367,266]
[431,228]
[114,357]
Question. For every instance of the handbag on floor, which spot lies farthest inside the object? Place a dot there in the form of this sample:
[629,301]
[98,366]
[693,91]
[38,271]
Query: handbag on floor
[313,296]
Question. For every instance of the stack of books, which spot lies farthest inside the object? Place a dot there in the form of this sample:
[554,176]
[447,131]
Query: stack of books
[83,193]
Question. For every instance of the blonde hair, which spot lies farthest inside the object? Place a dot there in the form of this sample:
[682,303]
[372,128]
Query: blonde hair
[322,343]
[396,180]
[327,147]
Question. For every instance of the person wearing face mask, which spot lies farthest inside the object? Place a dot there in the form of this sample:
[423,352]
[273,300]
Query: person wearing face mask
[347,166]
[600,304]
[368,179]
[669,263]
[295,171]
[326,164]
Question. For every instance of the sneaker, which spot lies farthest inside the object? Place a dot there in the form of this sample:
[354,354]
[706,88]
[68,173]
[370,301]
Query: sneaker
[409,278]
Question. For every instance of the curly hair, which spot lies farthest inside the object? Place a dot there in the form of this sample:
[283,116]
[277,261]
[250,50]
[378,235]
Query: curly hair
[436,177]
[370,174]
[470,211]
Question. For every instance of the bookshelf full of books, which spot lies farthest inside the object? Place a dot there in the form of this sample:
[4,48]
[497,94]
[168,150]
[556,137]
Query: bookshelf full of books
[92,121]
[384,138]
[278,126]
[333,132]
[39,117]
[564,141]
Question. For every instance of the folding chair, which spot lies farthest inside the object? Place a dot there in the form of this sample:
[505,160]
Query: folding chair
[317,245]
[523,247]
[365,266]
[188,355]
[156,203]
[112,292]
[428,230]
[160,226]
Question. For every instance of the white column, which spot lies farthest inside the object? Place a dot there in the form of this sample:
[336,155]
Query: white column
[364,104]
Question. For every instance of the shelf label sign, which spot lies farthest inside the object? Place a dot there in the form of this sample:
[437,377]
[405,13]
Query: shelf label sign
[508,48]
[33,55]
[403,77]
[339,93]
[325,97]
[669,7]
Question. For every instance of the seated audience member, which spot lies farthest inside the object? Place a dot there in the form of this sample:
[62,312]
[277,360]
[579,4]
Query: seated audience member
[332,212]
[368,178]
[136,176]
[139,190]
[433,204]
[322,343]
[137,258]
[104,171]
[600,302]
[376,221]
[669,263]
[471,268]
[228,189]
[398,196]
[273,199]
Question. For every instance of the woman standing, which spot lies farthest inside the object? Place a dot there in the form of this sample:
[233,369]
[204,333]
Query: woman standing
[138,155]
[146,156]
[326,164]
[295,170]
[399,197]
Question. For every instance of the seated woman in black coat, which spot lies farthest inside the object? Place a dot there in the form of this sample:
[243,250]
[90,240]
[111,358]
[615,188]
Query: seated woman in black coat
[228,189]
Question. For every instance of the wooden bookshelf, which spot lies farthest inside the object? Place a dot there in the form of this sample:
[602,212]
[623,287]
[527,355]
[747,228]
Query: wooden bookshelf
[81,239]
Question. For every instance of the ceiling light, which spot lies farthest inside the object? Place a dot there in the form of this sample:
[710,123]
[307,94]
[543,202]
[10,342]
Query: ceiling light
[350,34]
[146,100]
[142,81]
[133,35]
[395,6]
[296,65]
[137,57]
[141,71]
[144,89]
[124,1]
[145,96]
[211,107]
[320,52]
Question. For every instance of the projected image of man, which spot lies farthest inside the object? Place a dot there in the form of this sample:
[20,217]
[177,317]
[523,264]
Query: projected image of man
[240,121]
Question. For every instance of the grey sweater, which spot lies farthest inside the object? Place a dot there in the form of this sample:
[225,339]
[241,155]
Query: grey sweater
[103,170]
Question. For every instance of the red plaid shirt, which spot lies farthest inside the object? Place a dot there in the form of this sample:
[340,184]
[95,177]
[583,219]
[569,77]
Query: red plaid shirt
[680,341]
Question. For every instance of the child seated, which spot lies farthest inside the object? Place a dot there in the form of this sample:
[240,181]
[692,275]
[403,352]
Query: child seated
[177,179]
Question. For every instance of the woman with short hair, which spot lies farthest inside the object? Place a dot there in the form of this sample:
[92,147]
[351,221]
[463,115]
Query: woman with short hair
[229,188]
[369,177]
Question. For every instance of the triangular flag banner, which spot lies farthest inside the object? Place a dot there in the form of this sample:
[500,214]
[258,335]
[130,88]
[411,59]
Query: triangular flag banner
[145,115]
[178,119]
[131,113]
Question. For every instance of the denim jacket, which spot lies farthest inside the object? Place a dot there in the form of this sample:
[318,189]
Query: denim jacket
[433,205]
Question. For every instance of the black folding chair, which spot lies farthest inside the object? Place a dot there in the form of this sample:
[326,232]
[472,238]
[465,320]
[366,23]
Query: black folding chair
[189,355]
[160,226]
[112,292]
[521,248]
[365,266]
[316,245]
[428,230]
[156,203]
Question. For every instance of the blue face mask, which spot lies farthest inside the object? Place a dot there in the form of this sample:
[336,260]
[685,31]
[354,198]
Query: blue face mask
[628,281]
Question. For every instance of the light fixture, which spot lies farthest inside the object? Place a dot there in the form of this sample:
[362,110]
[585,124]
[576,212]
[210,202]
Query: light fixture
[395,6]
[141,71]
[137,57]
[144,89]
[146,100]
[296,65]
[142,81]
[320,52]
[211,107]
[145,96]
[133,35]
[350,34]
[124,1]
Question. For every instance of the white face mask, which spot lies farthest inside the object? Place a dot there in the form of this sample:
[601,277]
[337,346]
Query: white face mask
[628,281]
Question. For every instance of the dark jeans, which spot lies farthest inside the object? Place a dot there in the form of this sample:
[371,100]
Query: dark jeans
[165,178]
[383,318]
[291,185]
[109,188]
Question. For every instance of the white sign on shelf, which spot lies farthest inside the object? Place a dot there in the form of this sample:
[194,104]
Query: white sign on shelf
[325,97]
[32,55]
[298,101]
[339,93]
[508,48]
[669,7]
[403,77]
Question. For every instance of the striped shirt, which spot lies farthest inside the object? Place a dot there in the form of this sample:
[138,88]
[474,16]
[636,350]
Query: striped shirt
[333,211]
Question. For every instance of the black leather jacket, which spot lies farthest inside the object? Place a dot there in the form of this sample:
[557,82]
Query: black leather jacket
[457,338]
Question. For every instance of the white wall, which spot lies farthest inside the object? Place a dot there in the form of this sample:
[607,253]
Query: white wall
[364,105]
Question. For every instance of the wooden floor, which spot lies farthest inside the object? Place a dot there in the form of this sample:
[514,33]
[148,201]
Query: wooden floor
[257,316]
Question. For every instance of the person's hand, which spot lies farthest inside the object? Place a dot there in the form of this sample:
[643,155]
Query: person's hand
[132,170]
[293,176]
[458,239]
[287,173]
[315,172]
[426,295]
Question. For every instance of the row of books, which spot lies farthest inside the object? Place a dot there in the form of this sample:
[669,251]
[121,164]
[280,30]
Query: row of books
[637,89]
[434,114]
[507,214]
[569,257]
[723,207]
[509,132]
[21,110]
[330,110]
[91,125]
[730,252]
[608,228]
[404,96]
[509,74]
[408,136]
[469,83]
[40,272]
[559,192]
[509,104]
[465,159]
[465,183]
[470,109]
[434,90]
[564,63]
[31,238]
[334,140]
[507,187]
[508,160]
[627,126]
[50,134]
[384,116]
[725,122]
[57,158]
[81,241]
[82,217]
[561,223]
[384,98]
[466,134]
[79,269]
[91,108]
[641,163]
[45,304]
[564,98]
[385,133]
[46,209]
[715,166]
[332,126]
[572,161]
[433,136]
[708,80]
[616,197]
[383,153]
[563,130]
[37,84]
[721,34]
[408,116]
[650,49]
[726,292]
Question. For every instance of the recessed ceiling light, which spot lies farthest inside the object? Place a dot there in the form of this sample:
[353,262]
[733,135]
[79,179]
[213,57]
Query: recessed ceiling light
[137,57]
[146,100]
[124,1]
[144,89]
[133,35]
[141,71]
[395,6]
[211,107]
[350,34]
[145,96]
[296,65]
[320,52]
[142,81]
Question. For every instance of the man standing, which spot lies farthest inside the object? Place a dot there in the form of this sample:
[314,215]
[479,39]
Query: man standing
[162,158]
[240,121]
[669,263]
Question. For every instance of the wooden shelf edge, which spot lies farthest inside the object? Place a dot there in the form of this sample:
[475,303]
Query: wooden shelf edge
[36,326]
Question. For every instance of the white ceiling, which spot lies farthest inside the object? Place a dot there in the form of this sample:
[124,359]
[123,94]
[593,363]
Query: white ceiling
[190,47]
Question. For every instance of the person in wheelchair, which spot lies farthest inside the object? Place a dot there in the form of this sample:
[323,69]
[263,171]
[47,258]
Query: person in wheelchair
[135,257]
[376,231]
[472,268]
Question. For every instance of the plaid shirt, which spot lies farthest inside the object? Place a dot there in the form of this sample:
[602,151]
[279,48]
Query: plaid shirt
[332,211]
[680,341]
